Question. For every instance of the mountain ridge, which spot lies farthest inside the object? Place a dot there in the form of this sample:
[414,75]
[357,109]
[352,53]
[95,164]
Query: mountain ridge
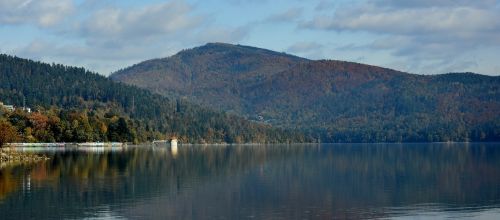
[344,101]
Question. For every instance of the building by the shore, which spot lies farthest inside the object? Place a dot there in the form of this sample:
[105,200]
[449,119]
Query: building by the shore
[8,107]
[12,108]
[173,142]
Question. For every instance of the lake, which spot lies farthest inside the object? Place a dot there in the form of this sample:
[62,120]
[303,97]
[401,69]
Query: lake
[331,181]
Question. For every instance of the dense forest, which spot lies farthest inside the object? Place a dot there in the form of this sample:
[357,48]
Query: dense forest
[76,105]
[334,101]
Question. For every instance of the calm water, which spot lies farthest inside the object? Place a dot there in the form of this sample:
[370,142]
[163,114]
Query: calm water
[258,182]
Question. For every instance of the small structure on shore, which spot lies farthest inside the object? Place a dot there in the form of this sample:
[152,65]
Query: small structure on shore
[8,107]
[12,108]
[173,142]
[173,147]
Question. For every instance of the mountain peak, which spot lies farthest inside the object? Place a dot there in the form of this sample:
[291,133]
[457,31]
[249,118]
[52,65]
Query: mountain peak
[235,50]
[219,44]
[209,60]
[344,101]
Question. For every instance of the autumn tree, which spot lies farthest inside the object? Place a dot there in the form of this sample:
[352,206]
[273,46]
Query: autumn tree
[8,133]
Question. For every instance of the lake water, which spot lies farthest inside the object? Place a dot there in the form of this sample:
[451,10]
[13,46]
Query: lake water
[339,181]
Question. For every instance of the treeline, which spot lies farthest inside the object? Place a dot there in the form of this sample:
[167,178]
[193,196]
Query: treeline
[70,126]
[334,101]
[420,128]
[459,107]
[62,91]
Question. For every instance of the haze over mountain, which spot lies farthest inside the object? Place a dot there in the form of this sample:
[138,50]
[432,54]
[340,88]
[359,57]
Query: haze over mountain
[335,100]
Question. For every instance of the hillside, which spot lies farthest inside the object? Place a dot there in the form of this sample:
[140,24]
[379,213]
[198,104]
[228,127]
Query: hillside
[74,94]
[335,100]
[211,75]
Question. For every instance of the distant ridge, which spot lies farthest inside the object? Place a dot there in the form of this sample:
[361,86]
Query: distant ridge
[336,100]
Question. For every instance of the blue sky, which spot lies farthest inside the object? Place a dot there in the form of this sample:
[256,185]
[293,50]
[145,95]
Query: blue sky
[417,36]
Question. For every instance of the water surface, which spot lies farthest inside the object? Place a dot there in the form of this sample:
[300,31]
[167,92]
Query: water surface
[339,181]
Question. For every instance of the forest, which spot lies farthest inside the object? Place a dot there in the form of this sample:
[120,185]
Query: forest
[313,101]
[71,104]
[332,100]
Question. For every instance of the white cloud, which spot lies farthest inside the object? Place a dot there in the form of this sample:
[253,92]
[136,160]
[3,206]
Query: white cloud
[101,59]
[417,35]
[426,34]
[325,5]
[434,3]
[460,21]
[144,23]
[290,15]
[43,13]
[105,37]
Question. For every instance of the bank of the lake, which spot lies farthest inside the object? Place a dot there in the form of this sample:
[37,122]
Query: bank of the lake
[12,157]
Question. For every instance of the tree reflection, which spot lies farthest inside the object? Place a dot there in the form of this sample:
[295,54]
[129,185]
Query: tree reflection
[329,181]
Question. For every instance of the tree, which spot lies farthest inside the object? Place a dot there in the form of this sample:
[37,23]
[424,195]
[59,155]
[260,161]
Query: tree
[8,133]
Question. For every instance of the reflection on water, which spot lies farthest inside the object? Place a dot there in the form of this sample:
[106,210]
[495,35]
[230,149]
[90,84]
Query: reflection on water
[262,182]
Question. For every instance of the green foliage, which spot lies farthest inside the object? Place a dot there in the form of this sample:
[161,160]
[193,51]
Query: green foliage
[87,103]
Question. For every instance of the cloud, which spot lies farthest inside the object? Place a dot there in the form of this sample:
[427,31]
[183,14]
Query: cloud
[325,5]
[169,23]
[463,22]
[242,2]
[139,24]
[415,35]
[434,3]
[104,37]
[101,59]
[42,13]
[425,33]
[289,15]
[172,24]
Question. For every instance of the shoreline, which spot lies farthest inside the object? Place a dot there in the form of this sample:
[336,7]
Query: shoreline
[10,157]
[119,144]
[64,144]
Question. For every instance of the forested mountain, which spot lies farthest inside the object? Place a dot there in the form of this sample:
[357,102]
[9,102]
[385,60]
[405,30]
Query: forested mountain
[80,101]
[212,75]
[334,100]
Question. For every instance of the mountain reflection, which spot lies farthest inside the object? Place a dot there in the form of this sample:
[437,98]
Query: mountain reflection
[234,182]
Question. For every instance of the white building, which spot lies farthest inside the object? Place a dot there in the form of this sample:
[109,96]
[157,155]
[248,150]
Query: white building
[9,107]
[12,108]
[173,142]
[173,147]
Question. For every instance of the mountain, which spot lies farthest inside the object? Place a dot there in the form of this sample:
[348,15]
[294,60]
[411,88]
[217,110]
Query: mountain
[211,75]
[95,99]
[336,101]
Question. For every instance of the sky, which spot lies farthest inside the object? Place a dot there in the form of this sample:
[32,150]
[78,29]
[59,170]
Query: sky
[416,36]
